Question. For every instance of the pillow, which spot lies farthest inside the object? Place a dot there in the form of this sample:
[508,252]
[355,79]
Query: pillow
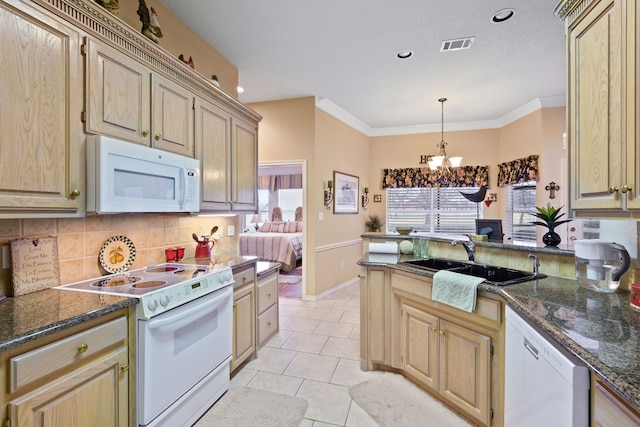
[290,227]
[299,227]
[277,227]
[266,227]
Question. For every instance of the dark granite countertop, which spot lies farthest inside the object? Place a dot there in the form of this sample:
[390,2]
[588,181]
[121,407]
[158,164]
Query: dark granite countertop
[600,329]
[38,314]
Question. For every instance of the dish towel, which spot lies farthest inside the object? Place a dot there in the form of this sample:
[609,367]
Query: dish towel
[455,289]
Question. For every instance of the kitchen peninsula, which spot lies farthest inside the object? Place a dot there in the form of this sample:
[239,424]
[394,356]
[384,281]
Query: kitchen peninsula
[600,329]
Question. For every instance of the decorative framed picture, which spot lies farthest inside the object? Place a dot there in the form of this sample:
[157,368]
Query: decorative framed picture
[345,199]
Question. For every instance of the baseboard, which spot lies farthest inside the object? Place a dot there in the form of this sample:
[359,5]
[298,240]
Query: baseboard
[330,291]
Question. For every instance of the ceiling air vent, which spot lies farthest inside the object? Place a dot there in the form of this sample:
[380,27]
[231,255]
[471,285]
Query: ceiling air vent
[457,44]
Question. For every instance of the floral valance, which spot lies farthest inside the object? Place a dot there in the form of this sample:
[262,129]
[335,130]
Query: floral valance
[464,176]
[516,171]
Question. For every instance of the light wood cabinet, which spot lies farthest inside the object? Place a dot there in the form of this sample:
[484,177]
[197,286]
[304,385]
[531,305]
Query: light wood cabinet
[375,339]
[244,316]
[42,146]
[78,379]
[228,151]
[608,409]
[267,307]
[602,101]
[124,99]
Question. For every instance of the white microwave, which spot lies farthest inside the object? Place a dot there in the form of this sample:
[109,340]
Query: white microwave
[125,177]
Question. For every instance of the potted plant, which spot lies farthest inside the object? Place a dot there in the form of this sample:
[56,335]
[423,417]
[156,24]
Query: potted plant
[550,218]
[375,223]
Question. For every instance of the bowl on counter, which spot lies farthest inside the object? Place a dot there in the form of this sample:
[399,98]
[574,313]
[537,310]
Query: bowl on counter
[403,231]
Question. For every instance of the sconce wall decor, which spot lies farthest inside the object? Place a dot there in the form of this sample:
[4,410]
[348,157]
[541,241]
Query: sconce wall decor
[365,198]
[328,195]
[492,197]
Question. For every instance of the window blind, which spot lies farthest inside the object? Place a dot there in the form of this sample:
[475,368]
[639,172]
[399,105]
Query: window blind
[521,203]
[433,210]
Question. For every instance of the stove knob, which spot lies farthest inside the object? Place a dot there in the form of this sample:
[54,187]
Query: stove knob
[220,279]
[152,304]
[164,300]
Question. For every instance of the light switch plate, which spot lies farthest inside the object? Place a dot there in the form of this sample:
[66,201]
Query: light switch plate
[231,230]
[320,216]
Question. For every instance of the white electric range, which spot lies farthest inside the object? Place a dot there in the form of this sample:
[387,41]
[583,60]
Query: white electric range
[183,336]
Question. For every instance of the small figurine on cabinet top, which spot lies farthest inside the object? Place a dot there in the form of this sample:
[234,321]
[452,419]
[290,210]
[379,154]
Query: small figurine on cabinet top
[150,24]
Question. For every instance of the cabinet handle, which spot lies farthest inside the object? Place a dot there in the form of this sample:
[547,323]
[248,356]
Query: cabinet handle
[82,348]
[572,238]
[625,188]
[441,333]
[613,189]
[75,192]
[268,323]
[269,294]
[158,136]
[433,330]
[145,133]
[124,368]
[244,280]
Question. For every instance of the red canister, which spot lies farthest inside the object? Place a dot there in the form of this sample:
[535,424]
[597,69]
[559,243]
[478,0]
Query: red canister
[635,295]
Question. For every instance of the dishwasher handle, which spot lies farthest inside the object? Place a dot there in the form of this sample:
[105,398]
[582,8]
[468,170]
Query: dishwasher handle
[534,351]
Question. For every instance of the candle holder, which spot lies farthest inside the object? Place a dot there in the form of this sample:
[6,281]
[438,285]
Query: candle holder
[365,198]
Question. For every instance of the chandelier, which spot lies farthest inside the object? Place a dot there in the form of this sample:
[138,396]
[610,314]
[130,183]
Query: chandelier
[442,160]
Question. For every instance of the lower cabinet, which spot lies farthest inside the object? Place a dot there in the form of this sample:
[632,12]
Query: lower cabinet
[76,380]
[456,355]
[608,409]
[267,306]
[244,316]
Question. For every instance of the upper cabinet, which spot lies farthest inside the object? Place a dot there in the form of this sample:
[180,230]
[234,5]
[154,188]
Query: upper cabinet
[228,152]
[41,141]
[126,100]
[602,104]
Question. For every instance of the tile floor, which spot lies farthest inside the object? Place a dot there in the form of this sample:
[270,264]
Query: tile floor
[316,355]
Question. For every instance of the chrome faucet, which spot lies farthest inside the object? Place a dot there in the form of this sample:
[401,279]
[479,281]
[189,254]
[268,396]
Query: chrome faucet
[536,263]
[469,246]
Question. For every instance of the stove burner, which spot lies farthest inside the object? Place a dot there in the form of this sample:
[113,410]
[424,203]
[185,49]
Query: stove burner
[149,284]
[193,272]
[167,269]
[116,281]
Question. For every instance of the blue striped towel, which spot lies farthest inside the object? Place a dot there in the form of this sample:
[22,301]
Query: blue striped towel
[455,289]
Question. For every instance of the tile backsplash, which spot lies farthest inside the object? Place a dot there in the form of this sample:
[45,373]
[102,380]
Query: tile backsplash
[80,239]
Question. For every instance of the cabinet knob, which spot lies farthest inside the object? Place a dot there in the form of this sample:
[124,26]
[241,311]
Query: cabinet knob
[158,136]
[269,294]
[572,238]
[124,368]
[82,348]
[145,133]
[75,192]
[433,330]
[625,188]
[613,189]
[268,323]
[441,333]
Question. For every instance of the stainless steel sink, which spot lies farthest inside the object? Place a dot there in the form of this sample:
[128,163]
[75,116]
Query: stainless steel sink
[500,276]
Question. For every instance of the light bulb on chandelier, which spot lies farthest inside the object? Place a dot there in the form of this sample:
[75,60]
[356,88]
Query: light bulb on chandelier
[441,160]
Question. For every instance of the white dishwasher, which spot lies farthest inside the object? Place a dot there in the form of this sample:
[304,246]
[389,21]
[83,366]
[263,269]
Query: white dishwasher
[543,387]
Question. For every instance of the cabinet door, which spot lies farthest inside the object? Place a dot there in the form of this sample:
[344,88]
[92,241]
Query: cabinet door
[41,150]
[172,117]
[596,107]
[93,395]
[244,326]
[213,149]
[118,94]
[465,371]
[419,340]
[244,155]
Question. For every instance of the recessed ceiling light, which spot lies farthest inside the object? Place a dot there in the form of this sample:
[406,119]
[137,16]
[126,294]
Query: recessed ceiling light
[240,89]
[404,54]
[502,15]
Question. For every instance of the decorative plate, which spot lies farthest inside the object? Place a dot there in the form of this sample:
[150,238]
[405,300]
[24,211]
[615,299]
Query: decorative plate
[117,254]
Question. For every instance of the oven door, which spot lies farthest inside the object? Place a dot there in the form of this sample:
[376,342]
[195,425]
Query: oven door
[179,348]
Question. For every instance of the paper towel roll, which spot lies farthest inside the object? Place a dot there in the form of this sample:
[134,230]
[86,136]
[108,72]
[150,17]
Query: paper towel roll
[383,258]
[383,248]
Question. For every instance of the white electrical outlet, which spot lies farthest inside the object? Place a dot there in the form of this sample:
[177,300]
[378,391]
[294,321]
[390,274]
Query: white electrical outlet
[341,264]
[320,216]
[231,230]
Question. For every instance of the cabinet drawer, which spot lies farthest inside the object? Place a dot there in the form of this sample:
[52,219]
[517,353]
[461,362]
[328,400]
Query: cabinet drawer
[244,277]
[419,287]
[267,292]
[33,365]
[267,325]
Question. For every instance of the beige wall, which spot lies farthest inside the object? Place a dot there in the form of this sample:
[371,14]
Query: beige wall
[178,38]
